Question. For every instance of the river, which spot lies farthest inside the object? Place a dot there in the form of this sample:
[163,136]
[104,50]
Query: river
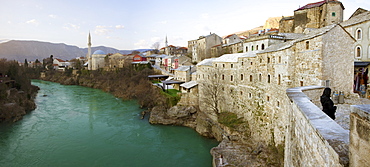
[79,126]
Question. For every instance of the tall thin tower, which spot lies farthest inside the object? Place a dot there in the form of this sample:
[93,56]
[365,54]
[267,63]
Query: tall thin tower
[166,47]
[89,58]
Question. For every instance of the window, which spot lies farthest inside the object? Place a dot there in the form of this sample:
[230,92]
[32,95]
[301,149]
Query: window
[223,76]
[268,60]
[307,44]
[268,79]
[268,98]
[250,95]
[223,65]
[260,77]
[216,65]
[231,78]
[301,83]
[257,47]
[279,79]
[251,78]
[359,34]
[242,63]
[333,14]
[231,65]
[251,63]
[279,59]
[241,77]
[241,92]
[252,48]
[246,49]
[358,52]
[278,103]
[263,46]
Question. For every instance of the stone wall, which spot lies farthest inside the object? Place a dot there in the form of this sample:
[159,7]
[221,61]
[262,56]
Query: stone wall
[312,138]
[360,135]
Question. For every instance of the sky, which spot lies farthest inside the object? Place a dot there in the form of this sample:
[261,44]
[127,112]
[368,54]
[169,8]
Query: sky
[138,24]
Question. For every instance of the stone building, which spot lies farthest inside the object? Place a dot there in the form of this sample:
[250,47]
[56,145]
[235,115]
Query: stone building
[313,15]
[97,60]
[201,48]
[255,82]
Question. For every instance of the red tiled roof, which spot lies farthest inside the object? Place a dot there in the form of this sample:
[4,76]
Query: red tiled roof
[60,60]
[316,4]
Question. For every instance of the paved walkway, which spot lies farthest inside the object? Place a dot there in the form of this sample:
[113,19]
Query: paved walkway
[344,110]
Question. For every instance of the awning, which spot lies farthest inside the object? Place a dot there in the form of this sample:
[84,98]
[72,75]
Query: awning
[361,64]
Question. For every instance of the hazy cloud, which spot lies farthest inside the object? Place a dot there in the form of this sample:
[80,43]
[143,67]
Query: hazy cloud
[102,30]
[33,21]
[120,26]
[204,15]
[52,16]
[70,26]
[141,44]
[163,22]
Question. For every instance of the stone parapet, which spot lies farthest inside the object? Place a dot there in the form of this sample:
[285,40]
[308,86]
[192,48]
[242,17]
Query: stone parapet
[313,138]
[360,135]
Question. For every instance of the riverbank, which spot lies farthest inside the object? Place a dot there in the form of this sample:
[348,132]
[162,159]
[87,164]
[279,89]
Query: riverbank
[16,92]
[235,148]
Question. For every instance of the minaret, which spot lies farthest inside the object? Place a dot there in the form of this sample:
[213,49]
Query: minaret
[166,46]
[89,52]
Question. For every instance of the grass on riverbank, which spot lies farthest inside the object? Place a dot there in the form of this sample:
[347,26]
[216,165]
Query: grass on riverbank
[172,96]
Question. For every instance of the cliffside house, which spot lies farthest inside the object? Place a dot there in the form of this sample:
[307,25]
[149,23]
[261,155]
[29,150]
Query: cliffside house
[200,48]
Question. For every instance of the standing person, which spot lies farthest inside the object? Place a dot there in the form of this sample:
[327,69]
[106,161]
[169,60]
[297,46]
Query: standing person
[327,104]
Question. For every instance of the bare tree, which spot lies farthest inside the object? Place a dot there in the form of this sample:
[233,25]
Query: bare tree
[211,88]
[156,45]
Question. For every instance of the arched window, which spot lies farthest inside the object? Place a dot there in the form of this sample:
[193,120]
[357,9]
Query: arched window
[279,79]
[359,34]
[263,46]
[268,78]
[252,48]
[223,76]
[246,49]
[257,47]
[250,78]
[231,65]
[231,78]
[279,59]
[223,65]
[358,52]
[241,77]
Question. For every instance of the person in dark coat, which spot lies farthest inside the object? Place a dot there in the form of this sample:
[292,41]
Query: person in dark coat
[327,104]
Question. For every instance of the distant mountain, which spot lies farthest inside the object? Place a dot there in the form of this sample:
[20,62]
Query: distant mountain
[32,50]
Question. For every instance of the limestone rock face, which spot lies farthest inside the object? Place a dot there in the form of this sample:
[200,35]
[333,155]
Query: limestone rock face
[177,115]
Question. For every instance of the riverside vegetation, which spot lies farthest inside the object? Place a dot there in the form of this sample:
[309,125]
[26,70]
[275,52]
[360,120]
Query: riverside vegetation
[16,92]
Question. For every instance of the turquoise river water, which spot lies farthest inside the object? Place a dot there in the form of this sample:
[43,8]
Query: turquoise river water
[79,126]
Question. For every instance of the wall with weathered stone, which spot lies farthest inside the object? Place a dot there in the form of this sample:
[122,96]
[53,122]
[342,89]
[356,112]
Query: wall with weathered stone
[360,135]
[313,138]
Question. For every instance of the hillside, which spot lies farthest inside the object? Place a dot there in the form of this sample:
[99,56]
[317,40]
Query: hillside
[32,50]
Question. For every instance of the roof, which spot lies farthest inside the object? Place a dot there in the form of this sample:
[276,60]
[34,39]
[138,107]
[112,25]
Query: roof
[184,68]
[189,85]
[234,57]
[291,35]
[158,76]
[357,19]
[311,34]
[60,60]
[99,52]
[317,4]
[206,62]
[169,82]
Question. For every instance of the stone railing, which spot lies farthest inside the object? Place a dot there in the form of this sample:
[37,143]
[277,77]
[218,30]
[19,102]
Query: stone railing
[360,135]
[313,138]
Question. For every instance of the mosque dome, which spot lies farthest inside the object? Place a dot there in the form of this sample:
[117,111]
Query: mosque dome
[99,52]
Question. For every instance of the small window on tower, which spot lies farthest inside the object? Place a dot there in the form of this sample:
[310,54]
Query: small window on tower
[333,14]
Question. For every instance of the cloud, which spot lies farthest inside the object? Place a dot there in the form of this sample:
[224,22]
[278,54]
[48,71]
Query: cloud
[142,44]
[163,22]
[120,26]
[70,26]
[52,16]
[33,21]
[102,30]
[204,16]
